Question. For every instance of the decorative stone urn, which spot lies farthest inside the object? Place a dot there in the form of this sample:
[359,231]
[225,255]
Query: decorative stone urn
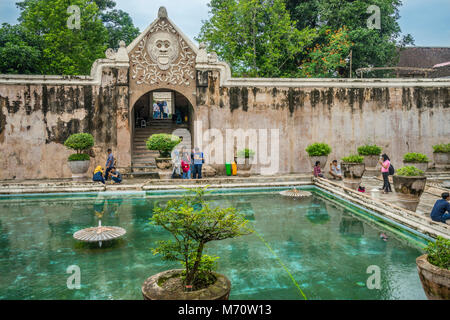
[435,281]
[419,165]
[323,161]
[371,161]
[163,163]
[409,190]
[441,160]
[79,169]
[163,286]
[353,173]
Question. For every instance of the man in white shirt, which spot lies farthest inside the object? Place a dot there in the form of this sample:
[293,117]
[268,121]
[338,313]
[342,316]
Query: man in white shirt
[335,170]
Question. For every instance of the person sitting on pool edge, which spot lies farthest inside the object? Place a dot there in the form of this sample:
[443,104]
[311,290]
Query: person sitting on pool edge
[115,175]
[98,175]
[440,208]
[317,170]
[335,170]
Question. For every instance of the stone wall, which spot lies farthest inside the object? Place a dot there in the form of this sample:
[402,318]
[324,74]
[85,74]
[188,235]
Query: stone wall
[36,119]
[401,118]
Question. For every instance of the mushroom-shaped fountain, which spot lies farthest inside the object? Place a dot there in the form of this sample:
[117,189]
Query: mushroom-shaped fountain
[100,233]
[296,194]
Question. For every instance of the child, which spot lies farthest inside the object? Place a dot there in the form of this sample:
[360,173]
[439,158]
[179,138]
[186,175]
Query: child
[185,167]
[317,170]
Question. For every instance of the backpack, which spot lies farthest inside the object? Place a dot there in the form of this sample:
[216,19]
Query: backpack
[184,166]
[391,170]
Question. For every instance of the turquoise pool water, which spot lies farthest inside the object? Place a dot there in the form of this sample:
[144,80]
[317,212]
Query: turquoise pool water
[321,244]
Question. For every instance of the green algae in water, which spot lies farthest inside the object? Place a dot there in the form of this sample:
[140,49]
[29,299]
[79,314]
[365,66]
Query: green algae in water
[325,246]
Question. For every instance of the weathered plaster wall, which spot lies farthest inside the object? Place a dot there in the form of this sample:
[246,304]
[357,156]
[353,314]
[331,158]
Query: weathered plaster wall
[408,119]
[36,119]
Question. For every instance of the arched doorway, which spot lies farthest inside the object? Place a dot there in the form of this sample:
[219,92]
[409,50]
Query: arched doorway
[158,111]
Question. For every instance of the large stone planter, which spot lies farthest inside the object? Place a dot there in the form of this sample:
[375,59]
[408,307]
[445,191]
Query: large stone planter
[419,165]
[163,163]
[435,281]
[409,190]
[371,161]
[79,168]
[322,159]
[352,173]
[220,290]
[441,160]
[244,165]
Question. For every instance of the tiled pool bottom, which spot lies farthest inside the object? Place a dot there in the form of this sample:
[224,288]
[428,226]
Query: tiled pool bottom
[325,245]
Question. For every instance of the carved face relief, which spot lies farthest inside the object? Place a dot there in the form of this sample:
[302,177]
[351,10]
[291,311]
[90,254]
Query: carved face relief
[163,49]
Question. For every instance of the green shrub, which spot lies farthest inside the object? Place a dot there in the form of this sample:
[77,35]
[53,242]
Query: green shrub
[369,150]
[415,157]
[439,253]
[79,142]
[353,158]
[79,157]
[318,149]
[441,148]
[409,171]
[246,153]
[162,142]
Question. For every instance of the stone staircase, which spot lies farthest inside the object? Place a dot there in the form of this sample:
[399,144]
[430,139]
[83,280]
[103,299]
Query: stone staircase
[143,160]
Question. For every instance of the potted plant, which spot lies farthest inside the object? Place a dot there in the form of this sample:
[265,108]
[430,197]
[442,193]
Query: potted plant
[164,143]
[409,183]
[193,223]
[371,154]
[79,162]
[353,168]
[434,269]
[244,159]
[441,155]
[318,152]
[418,160]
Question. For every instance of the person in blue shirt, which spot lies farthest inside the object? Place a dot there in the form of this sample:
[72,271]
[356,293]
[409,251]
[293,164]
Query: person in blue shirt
[109,164]
[441,209]
[198,162]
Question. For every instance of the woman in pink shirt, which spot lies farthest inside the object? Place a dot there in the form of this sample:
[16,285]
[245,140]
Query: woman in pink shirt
[385,164]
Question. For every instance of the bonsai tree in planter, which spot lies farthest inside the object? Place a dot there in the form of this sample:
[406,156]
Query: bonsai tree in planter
[434,269]
[418,160]
[371,154]
[193,223]
[318,152]
[79,162]
[441,155]
[410,183]
[164,144]
[353,168]
[244,158]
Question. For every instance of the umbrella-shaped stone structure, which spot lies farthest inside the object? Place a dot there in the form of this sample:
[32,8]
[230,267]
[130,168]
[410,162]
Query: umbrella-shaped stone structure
[296,194]
[99,234]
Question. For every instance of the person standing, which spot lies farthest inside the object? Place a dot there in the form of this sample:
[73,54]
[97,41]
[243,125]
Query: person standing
[441,209]
[155,110]
[109,164]
[185,164]
[176,163]
[385,163]
[161,109]
[166,110]
[198,162]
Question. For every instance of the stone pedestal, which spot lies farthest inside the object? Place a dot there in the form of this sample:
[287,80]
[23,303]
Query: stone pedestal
[435,281]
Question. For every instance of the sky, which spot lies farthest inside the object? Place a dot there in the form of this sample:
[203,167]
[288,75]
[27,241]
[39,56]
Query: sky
[427,20]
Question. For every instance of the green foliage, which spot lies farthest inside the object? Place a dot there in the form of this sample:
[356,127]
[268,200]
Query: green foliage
[439,253]
[318,149]
[353,158]
[371,47]
[120,27]
[369,150]
[324,59]
[246,153]
[193,222]
[79,157]
[441,148]
[256,37]
[20,50]
[162,142]
[415,157]
[409,171]
[80,142]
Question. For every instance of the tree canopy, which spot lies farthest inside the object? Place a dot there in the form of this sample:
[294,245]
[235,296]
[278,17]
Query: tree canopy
[43,43]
